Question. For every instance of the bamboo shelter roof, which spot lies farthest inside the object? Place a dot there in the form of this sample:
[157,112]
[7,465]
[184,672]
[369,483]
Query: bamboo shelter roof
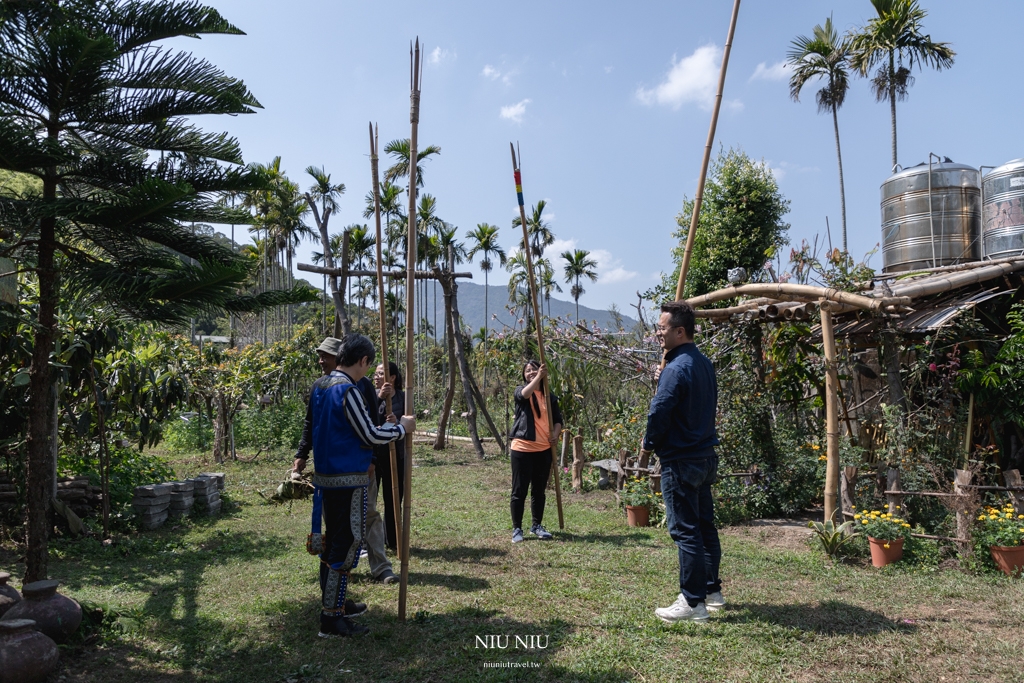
[914,302]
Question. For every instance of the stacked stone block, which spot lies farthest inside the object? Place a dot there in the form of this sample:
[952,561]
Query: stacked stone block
[182,498]
[206,494]
[151,503]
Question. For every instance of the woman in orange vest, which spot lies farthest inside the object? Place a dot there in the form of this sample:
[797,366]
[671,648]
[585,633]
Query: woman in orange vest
[532,442]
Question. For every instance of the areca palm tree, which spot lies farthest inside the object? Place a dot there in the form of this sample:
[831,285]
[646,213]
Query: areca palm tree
[546,280]
[893,41]
[400,150]
[825,55]
[485,241]
[578,265]
[538,230]
[361,247]
[322,198]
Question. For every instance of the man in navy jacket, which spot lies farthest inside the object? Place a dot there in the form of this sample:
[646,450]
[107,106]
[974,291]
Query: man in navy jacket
[681,431]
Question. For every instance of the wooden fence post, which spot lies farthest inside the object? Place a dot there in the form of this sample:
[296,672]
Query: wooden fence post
[847,486]
[577,462]
[1013,480]
[962,479]
[621,478]
[892,483]
[565,448]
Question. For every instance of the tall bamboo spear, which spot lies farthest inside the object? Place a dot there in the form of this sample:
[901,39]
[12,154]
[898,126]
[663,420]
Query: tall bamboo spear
[699,199]
[415,76]
[545,385]
[374,159]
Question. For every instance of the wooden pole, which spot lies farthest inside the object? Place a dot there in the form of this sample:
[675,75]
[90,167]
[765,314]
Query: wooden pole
[828,341]
[545,385]
[699,199]
[415,74]
[374,167]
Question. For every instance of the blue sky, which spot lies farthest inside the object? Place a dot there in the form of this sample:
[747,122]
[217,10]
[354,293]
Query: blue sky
[610,103]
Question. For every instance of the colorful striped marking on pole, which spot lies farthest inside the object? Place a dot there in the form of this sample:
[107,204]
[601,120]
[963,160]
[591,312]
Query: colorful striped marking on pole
[519,187]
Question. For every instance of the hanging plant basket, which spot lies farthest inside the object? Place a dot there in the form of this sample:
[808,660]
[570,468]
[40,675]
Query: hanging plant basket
[638,515]
[882,555]
[1008,558]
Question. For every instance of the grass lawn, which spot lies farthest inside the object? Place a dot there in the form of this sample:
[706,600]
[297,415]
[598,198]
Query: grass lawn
[235,598]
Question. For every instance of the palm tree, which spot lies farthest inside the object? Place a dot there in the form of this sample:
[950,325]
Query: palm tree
[485,242]
[539,232]
[362,245]
[400,150]
[827,56]
[578,265]
[546,280]
[322,198]
[893,42]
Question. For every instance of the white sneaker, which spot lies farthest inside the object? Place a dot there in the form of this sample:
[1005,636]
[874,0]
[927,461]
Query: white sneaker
[714,602]
[680,610]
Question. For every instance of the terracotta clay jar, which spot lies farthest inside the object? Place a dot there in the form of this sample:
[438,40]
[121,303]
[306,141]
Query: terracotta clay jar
[26,655]
[55,615]
[9,595]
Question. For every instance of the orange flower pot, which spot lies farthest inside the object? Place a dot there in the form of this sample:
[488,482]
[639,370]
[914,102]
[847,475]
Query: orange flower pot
[881,555]
[638,515]
[1008,558]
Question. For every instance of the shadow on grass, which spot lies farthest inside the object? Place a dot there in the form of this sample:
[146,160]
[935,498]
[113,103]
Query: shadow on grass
[830,617]
[635,539]
[453,582]
[459,553]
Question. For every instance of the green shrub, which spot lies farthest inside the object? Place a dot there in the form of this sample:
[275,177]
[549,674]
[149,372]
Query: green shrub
[278,425]
[188,435]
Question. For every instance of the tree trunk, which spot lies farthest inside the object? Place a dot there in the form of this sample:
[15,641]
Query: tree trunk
[487,325]
[487,415]
[41,449]
[456,332]
[842,188]
[449,394]
[220,428]
[891,363]
[892,107]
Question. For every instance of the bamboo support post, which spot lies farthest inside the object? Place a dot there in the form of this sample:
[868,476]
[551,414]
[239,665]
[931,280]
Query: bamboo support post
[385,363]
[847,489]
[577,463]
[961,481]
[893,490]
[785,291]
[539,322]
[620,479]
[416,72]
[831,413]
[565,449]
[1013,481]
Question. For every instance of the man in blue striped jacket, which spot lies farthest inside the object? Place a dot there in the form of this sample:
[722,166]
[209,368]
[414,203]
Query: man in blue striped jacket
[343,439]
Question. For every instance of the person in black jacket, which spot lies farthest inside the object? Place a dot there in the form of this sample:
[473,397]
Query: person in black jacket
[532,441]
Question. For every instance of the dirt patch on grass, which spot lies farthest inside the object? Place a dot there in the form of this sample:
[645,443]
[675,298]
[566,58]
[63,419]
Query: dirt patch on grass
[784,534]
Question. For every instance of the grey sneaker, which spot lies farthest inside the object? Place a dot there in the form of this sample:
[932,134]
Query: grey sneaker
[714,601]
[680,610]
[540,532]
[517,535]
[387,577]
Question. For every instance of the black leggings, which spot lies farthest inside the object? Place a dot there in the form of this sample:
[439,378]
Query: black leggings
[529,470]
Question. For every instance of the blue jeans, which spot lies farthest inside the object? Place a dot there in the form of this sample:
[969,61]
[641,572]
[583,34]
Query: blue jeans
[690,517]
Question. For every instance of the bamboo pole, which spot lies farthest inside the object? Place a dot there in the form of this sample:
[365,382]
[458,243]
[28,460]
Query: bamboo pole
[699,198]
[828,341]
[788,292]
[415,75]
[375,169]
[944,284]
[539,322]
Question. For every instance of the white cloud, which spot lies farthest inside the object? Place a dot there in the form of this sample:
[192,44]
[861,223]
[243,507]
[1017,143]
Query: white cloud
[692,79]
[515,112]
[610,270]
[779,71]
[783,168]
[494,74]
[440,55]
[608,69]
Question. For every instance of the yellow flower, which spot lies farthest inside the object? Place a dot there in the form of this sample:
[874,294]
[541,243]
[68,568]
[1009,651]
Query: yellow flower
[822,457]
[865,512]
[886,545]
[897,507]
[816,447]
[991,516]
[906,526]
[864,522]
[982,517]
[1020,516]
[856,516]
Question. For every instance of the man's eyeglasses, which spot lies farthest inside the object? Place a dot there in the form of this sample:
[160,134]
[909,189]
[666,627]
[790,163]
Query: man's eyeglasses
[663,330]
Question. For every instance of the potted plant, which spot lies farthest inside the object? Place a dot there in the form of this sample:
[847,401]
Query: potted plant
[1003,532]
[886,533]
[637,497]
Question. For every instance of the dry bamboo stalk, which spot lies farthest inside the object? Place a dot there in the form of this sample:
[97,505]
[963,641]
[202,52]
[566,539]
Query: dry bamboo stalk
[944,284]
[415,75]
[539,321]
[699,197]
[374,167]
[925,272]
[788,292]
[828,341]
[732,310]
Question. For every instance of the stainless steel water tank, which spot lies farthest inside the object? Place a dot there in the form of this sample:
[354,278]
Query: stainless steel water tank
[1003,211]
[921,230]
